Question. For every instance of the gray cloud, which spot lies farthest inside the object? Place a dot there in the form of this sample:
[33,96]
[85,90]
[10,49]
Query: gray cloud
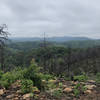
[55,17]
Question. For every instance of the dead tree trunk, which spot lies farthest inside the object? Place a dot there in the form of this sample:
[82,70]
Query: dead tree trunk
[3,38]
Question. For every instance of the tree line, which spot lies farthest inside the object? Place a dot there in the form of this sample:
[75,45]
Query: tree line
[59,60]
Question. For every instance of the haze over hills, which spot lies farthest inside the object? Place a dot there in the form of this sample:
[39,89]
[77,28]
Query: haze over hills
[52,39]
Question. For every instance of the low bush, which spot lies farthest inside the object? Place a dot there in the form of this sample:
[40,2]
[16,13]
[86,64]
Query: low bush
[79,89]
[26,86]
[98,77]
[57,93]
[60,85]
[76,92]
[32,73]
[1,73]
[80,78]
[18,73]
[7,79]
[47,77]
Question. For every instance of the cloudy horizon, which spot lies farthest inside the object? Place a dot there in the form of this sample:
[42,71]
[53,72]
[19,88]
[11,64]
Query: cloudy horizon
[31,18]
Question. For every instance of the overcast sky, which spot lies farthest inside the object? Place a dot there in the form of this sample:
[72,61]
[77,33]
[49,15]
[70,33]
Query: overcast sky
[30,18]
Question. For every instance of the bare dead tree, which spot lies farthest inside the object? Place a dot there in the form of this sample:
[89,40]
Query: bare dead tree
[3,38]
[44,47]
[69,60]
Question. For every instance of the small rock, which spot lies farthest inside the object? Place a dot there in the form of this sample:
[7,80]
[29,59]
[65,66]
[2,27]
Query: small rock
[83,83]
[16,95]
[88,92]
[90,87]
[26,96]
[1,91]
[72,87]
[67,90]
[74,83]
[18,91]
[16,98]
[91,81]
[64,86]
[10,96]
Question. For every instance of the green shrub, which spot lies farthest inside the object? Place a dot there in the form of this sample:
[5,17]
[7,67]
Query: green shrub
[32,73]
[67,78]
[98,77]
[81,78]
[7,79]
[37,81]
[51,84]
[60,85]
[57,93]
[47,77]
[26,86]
[76,92]
[84,88]
[1,73]
[18,73]
[77,85]
[34,89]
[78,89]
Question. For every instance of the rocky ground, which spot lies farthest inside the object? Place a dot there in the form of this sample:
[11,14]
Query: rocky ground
[92,92]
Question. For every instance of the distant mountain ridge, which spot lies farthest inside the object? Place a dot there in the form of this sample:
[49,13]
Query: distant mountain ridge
[52,39]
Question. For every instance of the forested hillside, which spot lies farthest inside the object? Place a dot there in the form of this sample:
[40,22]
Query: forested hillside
[26,45]
[44,70]
[60,55]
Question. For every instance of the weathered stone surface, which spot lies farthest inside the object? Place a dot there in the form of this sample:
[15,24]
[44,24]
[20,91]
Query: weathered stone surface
[1,91]
[16,98]
[74,83]
[91,81]
[10,96]
[88,92]
[18,91]
[65,86]
[26,96]
[90,87]
[83,83]
[67,90]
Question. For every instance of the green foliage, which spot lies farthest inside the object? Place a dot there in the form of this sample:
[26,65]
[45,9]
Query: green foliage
[84,88]
[98,77]
[76,92]
[18,73]
[66,78]
[60,85]
[10,77]
[78,89]
[80,78]
[51,84]
[77,86]
[57,92]
[7,79]
[1,73]
[26,86]
[46,77]
[32,73]
[35,89]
